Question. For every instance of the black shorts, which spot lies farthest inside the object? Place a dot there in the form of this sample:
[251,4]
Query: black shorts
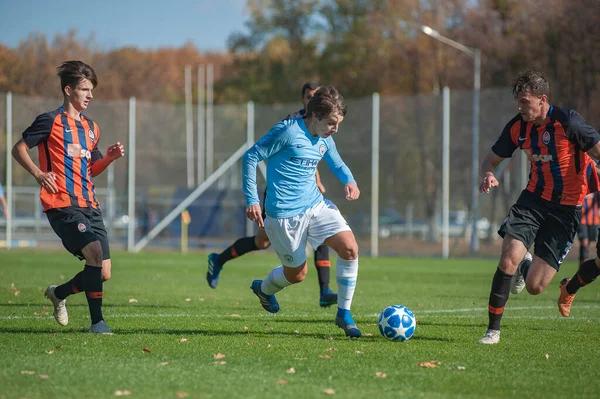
[588,232]
[77,227]
[551,227]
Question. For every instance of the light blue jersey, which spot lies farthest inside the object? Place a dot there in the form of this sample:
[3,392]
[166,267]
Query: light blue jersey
[292,155]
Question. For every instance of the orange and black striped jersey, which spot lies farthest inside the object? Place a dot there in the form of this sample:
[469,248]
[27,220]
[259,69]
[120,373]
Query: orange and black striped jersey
[556,149]
[67,147]
[590,211]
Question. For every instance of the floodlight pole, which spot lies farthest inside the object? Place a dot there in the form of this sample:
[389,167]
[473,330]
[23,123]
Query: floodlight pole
[476,54]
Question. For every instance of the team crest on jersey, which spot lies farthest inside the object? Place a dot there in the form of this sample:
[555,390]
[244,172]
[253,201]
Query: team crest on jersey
[92,135]
[322,149]
[81,227]
[546,137]
[288,258]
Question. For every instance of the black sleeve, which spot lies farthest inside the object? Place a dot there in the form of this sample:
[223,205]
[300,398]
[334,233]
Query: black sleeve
[580,132]
[96,154]
[39,131]
[505,146]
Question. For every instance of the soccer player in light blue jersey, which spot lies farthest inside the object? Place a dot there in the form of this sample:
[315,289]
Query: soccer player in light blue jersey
[296,211]
[260,241]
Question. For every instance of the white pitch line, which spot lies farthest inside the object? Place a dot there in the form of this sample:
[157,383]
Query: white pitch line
[425,312]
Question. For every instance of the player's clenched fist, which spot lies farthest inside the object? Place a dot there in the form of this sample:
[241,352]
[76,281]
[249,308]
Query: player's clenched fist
[47,181]
[488,181]
[254,213]
[115,151]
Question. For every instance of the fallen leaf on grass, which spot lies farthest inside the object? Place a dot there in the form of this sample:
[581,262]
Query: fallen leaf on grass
[250,343]
[547,356]
[379,374]
[219,356]
[43,377]
[290,370]
[221,362]
[331,349]
[40,313]
[51,351]
[27,372]
[182,394]
[368,335]
[296,332]
[301,358]
[147,350]
[329,391]
[188,299]
[325,356]
[235,315]
[430,364]
[164,363]
[122,393]
[460,367]
[246,328]
[281,382]
[372,324]
[17,292]
[183,340]
[358,352]
[132,300]
[201,299]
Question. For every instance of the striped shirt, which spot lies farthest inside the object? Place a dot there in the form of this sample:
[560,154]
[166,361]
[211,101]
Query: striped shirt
[556,150]
[67,147]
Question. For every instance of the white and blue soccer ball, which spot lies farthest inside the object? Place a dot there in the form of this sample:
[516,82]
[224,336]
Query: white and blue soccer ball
[397,323]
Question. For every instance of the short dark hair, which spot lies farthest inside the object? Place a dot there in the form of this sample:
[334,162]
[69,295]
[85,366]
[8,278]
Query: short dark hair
[310,85]
[73,72]
[531,82]
[326,101]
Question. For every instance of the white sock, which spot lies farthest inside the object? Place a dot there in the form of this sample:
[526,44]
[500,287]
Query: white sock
[346,272]
[274,282]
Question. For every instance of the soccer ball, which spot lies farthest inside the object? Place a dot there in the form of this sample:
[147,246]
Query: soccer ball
[397,323]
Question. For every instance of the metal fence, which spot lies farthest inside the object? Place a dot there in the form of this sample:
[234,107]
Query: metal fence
[154,182]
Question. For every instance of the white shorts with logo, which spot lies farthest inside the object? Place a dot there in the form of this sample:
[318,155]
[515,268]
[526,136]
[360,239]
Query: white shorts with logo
[289,236]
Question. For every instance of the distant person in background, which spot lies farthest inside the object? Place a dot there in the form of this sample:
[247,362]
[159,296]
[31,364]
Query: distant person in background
[590,222]
[69,157]
[260,241]
[3,204]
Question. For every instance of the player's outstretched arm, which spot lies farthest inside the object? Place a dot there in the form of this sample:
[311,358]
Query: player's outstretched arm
[113,152]
[44,179]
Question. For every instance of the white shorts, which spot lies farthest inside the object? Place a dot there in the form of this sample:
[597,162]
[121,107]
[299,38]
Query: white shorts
[289,236]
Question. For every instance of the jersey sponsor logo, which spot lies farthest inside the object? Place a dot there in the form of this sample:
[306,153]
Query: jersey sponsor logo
[306,162]
[75,151]
[322,149]
[546,137]
[81,227]
[521,139]
[67,130]
[91,135]
[541,157]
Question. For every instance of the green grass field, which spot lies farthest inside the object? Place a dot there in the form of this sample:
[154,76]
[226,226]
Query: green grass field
[175,337]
